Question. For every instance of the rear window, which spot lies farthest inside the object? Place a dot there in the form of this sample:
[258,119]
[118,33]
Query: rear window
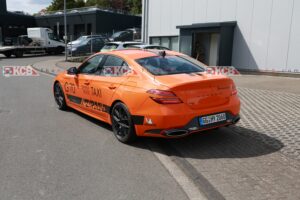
[157,47]
[118,34]
[109,47]
[159,65]
[131,45]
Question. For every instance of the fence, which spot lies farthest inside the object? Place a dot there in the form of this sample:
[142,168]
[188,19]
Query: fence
[81,47]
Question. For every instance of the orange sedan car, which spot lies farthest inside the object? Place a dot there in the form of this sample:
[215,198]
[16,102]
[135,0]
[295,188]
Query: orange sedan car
[148,93]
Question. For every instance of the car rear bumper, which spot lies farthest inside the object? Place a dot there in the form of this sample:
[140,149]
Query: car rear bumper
[180,121]
[192,127]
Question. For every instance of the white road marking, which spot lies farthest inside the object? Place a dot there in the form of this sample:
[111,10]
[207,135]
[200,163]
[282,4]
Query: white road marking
[185,183]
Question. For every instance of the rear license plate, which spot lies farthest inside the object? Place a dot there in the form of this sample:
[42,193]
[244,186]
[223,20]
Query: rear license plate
[211,119]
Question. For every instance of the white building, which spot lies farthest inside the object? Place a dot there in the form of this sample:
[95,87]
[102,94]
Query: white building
[247,34]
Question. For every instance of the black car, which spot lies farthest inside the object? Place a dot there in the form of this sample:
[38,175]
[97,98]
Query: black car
[24,40]
[87,46]
[131,34]
[85,37]
[137,33]
[122,36]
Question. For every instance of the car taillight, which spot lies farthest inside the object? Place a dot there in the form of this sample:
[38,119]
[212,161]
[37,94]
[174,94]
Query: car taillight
[233,90]
[163,97]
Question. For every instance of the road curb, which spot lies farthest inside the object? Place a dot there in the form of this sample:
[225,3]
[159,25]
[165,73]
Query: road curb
[43,71]
[193,183]
[265,73]
[53,71]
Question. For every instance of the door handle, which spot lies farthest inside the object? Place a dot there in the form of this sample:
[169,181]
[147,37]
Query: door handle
[112,87]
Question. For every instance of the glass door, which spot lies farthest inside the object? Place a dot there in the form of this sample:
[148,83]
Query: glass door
[206,47]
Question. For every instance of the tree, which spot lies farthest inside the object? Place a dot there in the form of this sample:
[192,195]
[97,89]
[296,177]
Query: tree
[118,4]
[59,4]
[80,3]
[101,3]
[132,6]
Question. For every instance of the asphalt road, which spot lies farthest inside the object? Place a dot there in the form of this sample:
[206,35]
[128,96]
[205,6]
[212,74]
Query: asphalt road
[50,154]
[26,60]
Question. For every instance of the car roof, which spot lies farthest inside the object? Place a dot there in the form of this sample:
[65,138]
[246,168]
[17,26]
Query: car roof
[147,45]
[92,36]
[121,31]
[133,29]
[128,42]
[138,53]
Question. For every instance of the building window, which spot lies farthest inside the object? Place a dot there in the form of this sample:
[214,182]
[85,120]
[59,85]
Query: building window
[171,42]
[174,43]
[155,41]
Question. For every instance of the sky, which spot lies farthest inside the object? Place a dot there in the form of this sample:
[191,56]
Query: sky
[29,6]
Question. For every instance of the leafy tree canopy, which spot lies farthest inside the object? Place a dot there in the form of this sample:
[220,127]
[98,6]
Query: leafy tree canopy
[132,6]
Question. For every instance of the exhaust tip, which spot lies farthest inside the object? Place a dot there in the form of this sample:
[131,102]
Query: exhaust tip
[236,120]
[176,133]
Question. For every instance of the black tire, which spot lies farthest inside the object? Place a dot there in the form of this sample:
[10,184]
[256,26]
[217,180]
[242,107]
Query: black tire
[59,50]
[19,54]
[59,96]
[122,123]
[50,52]
[7,54]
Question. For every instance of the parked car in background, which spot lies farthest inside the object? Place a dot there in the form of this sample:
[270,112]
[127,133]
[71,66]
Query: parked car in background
[137,33]
[130,34]
[119,45]
[84,37]
[86,46]
[24,40]
[122,36]
[147,46]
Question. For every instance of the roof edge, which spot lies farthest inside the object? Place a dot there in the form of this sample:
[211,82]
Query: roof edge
[208,25]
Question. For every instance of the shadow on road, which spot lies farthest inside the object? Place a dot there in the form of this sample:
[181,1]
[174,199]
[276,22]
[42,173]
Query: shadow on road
[91,119]
[222,143]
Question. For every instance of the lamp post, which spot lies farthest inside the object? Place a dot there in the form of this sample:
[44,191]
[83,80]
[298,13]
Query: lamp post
[65,24]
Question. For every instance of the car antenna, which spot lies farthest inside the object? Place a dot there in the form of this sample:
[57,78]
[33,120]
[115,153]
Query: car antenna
[163,54]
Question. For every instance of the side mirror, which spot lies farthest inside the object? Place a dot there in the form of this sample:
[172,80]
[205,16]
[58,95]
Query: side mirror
[72,71]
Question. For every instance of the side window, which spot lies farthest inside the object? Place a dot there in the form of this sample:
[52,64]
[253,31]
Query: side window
[109,47]
[91,65]
[123,34]
[97,41]
[114,66]
[128,46]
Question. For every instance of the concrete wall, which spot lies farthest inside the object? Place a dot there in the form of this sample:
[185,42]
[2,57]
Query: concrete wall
[267,36]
